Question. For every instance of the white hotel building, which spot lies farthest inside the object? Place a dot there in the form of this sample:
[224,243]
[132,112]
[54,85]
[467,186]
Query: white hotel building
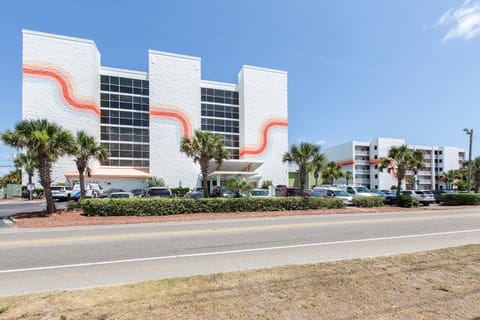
[361,159]
[141,117]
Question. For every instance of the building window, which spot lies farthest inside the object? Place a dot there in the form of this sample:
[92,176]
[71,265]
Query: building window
[125,121]
[220,114]
[375,148]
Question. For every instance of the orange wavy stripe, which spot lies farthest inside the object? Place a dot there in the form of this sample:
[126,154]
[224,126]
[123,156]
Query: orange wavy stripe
[177,115]
[346,163]
[264,138]
[65,86]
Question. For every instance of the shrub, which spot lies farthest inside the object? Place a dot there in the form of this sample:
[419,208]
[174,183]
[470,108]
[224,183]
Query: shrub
[165,206]
[460,199]
[407,201]
[368,202]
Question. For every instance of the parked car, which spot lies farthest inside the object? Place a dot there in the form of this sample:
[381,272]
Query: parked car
[424,197]
[138,192]
[294,192]
[378,192]
[117,195]
[106,193]
[62,193]
[438,194]
[332,192]
[195,194]
[158,192]
[92,190]
[259,193]
[390,196]
[222,192]
[281,190]
[358,191]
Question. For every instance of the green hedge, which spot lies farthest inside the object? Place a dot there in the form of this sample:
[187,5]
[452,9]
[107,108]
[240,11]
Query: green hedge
[460,199]
[407,201]
[368,202]
[165,206]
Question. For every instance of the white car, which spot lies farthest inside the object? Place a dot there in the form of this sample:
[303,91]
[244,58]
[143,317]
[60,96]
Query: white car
[61,193]
[331,192]
[118,195]
[425,197]
[358,191]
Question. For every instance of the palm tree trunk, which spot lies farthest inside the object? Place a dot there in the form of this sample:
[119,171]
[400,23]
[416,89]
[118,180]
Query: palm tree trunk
[81,177]
[45,169]
[204,169]
[303,173]
[399,184]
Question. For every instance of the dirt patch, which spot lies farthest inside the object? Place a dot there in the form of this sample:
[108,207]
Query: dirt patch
[77,218]
[441,284]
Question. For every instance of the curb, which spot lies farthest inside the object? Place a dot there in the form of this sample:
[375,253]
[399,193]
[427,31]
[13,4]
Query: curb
[8,222]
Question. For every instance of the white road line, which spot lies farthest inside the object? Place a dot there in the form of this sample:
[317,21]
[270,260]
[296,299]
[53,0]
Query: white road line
[88,264]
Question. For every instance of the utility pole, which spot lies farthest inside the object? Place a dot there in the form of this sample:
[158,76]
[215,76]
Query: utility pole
[469,178]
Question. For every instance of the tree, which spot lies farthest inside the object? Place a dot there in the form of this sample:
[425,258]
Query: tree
[155,182]
[13,177]
[48,141]
[331,172]
[238,185]
[449,177]
[303,155]
[317,165]
[203,147]
[83,150]
[348,176]
[476,173]
[400,160]
[27,161]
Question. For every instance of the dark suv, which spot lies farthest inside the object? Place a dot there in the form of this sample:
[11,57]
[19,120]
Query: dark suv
[158,192]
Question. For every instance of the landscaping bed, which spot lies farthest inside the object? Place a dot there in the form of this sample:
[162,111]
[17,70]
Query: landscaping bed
[77,218]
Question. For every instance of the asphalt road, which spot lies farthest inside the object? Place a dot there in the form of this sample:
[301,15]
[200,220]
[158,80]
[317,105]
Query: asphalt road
[71,258]
[8,209]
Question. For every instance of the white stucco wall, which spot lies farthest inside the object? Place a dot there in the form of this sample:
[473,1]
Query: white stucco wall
[263,97]
[77,61]
[174,84]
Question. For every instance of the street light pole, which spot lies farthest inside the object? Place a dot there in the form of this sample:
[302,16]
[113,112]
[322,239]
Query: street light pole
[469,178]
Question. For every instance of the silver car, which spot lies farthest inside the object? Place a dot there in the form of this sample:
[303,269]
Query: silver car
[424,197]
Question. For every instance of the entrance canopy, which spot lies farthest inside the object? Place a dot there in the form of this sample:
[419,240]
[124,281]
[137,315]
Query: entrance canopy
[232,168]
[108,172]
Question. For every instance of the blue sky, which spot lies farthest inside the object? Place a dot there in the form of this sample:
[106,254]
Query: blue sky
[357,69]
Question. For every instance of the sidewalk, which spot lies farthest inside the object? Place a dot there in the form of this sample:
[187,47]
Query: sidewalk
[19,200]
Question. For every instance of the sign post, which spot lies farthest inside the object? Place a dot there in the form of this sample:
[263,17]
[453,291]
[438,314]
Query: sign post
[30,188]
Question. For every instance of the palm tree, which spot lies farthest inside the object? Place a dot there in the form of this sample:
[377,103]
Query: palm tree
[27,161]
[86,148]
[450,176]
[332,172]
[238,185]
[348,176]
[400,160]
[203,147]
[303,155]
[476,173]
[48,141]
[155,182]
[317,165]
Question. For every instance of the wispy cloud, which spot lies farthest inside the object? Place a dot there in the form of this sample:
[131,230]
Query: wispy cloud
[464,21]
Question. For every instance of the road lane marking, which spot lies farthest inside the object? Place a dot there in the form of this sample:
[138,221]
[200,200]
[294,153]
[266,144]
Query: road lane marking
[143,235]
[215,253]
